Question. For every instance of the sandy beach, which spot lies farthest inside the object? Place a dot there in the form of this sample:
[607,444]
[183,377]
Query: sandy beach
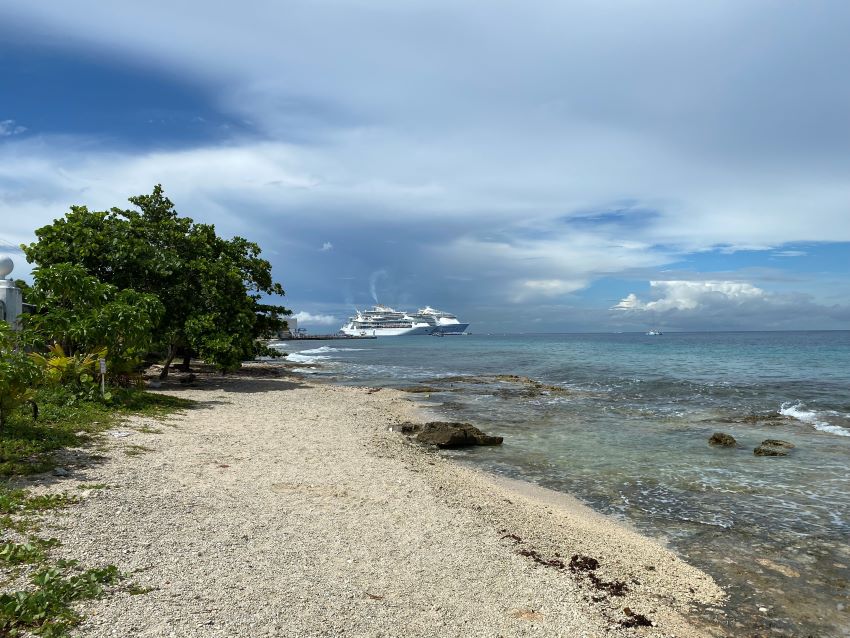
[279,507]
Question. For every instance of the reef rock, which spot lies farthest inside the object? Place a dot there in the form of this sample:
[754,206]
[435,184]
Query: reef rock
[448,435]
[722,439]
[766,450]
[778,443]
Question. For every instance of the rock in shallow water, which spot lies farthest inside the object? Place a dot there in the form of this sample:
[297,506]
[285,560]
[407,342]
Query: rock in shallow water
[448,435]
[778,443]
[766,450]
[722,439]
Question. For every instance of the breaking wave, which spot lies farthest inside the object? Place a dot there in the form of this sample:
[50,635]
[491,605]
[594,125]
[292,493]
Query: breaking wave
[798,411]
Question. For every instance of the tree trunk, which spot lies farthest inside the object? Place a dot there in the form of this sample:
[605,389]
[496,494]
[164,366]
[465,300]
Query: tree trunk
[187,360]
[172,351]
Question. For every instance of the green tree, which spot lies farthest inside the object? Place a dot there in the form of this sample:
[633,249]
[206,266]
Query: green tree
[211,288]
[84,315]
[19,374]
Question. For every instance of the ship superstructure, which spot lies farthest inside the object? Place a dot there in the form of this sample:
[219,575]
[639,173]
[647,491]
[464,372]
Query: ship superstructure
[446,322]
[383,321]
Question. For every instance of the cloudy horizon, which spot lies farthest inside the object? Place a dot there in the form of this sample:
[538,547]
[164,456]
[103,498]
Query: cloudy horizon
[540,167]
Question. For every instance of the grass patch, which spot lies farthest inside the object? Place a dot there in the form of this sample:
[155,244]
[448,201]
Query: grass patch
[146,429]
[27,445]
[46,608]
[151,404]
[136,450]
[94,486]
[19,501]
[31,552]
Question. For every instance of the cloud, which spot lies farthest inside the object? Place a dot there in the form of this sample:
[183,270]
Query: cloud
[8,128]
[326,246]
[306,317]
[483,175]
[693,295]
[727,305]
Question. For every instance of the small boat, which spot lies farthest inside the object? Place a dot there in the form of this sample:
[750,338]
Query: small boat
[654,333]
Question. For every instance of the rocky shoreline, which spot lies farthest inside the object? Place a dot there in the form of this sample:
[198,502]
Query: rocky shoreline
[281,507]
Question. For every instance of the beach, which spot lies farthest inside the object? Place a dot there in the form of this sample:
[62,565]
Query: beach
[280,507]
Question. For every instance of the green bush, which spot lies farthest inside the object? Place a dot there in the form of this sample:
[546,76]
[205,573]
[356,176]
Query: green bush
[19,374]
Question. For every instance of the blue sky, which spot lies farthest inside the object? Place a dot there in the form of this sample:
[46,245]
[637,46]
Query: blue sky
[551,166]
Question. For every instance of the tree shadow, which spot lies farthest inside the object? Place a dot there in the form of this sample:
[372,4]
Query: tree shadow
[235,384]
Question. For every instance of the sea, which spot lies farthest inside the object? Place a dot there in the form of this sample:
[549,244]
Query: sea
[622,422]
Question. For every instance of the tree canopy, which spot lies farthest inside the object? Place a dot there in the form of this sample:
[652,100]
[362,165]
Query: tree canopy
[84,315]
[210,288]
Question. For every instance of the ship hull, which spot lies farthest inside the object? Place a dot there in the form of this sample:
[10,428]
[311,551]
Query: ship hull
[385,332]
[452,328]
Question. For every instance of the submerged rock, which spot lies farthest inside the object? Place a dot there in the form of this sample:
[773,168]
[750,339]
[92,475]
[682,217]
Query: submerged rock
[766,450]
[448,435]
[721,439]
[773,447]
[778,443]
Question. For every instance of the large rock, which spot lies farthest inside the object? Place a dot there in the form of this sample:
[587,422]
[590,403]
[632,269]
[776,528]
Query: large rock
[722,439]
[453,435]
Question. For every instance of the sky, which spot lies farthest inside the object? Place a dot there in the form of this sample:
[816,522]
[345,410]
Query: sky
[530,166]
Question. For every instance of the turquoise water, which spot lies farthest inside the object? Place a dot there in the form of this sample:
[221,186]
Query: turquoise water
[624,426]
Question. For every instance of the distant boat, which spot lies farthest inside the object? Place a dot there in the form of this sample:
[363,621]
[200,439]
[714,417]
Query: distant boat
[654,333]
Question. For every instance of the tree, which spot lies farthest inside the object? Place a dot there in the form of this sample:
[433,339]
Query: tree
[84,315]
[211,288]
[19,374]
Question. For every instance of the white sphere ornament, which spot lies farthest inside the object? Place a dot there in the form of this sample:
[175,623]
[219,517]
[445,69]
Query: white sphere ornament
[6,266]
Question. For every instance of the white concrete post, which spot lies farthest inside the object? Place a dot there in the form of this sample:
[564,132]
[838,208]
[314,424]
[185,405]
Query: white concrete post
[11,298]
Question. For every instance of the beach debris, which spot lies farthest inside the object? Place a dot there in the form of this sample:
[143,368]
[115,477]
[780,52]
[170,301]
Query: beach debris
[527,614]
[513,537]
[579,563]
[587,565]
[373,390]
[634,619]
[556,562]
[721,439]
[773,447]
[374,596]
[447,435]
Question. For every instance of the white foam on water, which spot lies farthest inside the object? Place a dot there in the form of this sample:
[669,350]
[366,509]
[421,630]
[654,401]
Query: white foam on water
[798,411]
[297,357]
[324,349]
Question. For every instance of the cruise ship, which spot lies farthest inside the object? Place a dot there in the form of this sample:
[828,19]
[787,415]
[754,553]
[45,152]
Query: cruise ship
[383,321]
[444,322]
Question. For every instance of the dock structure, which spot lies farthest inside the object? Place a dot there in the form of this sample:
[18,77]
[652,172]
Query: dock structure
[333,336]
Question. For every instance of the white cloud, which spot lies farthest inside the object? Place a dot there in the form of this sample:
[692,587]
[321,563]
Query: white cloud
[8,128]
[726,305]
[306,317]
[401,114]
[480,162]
[326,246]
[693,295]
